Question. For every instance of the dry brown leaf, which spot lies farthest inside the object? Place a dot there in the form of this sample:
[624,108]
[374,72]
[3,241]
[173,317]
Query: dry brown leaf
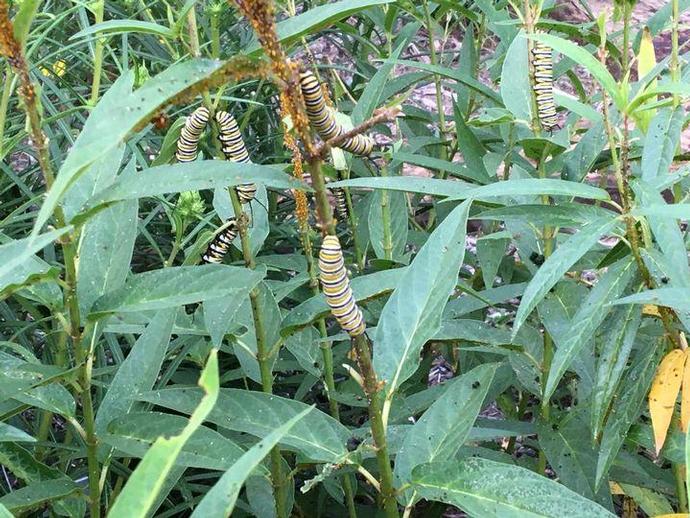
[663,394]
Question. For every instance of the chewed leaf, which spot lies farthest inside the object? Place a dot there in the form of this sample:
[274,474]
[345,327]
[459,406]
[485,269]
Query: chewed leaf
[663,394]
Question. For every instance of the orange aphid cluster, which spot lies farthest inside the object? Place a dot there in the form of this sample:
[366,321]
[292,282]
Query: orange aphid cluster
[301,206]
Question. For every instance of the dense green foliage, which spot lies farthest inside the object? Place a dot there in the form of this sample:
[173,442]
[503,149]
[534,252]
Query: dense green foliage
[539,272]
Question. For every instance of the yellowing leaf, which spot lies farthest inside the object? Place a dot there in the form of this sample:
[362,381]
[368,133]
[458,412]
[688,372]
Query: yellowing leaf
[651,310]
[674,515]
[685,396]
[663,394]
[646,61]
[616,489]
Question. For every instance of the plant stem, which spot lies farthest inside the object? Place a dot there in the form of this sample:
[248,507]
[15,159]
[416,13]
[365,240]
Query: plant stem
[675,62]
[529,29]
[215,36]
[386,220]
[12,49]
[679,472]
[4,103]
[437,79]
[378,431]
[97,9]
[323,206]
[621,168]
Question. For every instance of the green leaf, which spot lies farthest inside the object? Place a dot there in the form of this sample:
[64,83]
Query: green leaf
[416,184]
[444,427]
[134,434]
[561,215]
[553,269]
[676,298]
[588,318]
[459,190]
[533,186]
[176,286]
[37,495]
[486,488]
[110,127]
[143,485]
[304,346]
[569,451]
[124,26]
[25,467]
[364,288]
[617,341]
[219,315]
[474,331]
[469,145]
[220,499]
[661,142]
[436,164]
[9,433]
[490,252]
[318,437]
[516,89]
[15,253]
[455,74]
[138,372]
[412,314]
[585,59]
[675,211]
[311,21]
[35,278]
[193,176]
[582,159]
[245,346]
[106,250]
[4,513]
[628,404]
[371,95]
[397,206]
[22,20]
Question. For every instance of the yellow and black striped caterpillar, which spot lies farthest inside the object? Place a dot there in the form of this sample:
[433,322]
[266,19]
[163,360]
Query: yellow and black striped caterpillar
[188,143]
[323,118]
[336,287]
[234,150]
[218,248]
[542,62]
[340,203]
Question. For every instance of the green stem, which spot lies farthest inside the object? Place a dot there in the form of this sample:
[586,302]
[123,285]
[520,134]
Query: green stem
[378,429]
[529,29]
[215,36]
[547,234]
[323,206]
[4,103]
[679,473]
[675,62]
[97,9]
[437,78]
[386,220]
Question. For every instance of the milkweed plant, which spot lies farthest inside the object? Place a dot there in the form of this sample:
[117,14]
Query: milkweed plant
[344,258]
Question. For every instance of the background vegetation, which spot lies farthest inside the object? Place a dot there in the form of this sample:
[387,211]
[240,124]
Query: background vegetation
[526,292]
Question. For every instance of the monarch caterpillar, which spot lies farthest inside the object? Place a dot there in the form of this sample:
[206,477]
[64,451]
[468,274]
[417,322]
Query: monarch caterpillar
[323,119]
[188,142]
[234,150]
[220,245]
[336,287]
[542,63]
[340,203]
